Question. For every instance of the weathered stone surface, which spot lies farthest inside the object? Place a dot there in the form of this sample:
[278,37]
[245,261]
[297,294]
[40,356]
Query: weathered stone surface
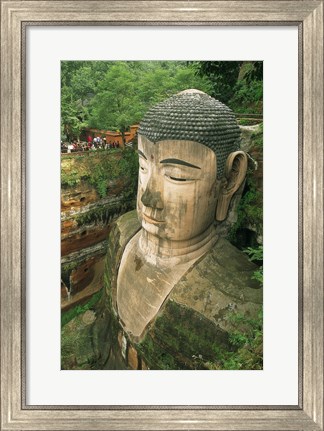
[122,231]
[247,133]
[88,317]
[79,256]
[68,226]
[64,290]
[78,196]
[250,217]
[76,351]
[132,358]
[120,339]
[191,331]
[86,216]
[144,366]
[82,276]
[84,237]
[248,144]
[88,344]
[82,288]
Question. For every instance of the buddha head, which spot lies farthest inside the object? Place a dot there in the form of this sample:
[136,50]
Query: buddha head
[190,165]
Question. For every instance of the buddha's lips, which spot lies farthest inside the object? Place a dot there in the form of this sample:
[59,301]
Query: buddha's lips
[151,220]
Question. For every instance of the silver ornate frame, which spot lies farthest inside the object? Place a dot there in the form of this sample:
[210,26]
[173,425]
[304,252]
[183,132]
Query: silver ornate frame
[15,16]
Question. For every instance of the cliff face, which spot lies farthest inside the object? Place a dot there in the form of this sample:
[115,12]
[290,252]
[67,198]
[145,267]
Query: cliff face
[96,188]
[94,194]
[211,320]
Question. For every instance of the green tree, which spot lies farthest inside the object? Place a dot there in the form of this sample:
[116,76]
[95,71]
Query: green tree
[116,104]
[248,95]
[79,84]
[73,115]
[236,83]
[114,95]
[128,89]
[222,75]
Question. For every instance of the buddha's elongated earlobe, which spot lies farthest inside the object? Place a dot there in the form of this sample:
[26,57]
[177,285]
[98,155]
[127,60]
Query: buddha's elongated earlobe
[234,175]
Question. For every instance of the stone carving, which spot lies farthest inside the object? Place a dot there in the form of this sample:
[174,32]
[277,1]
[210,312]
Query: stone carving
[190,167]
[170,279]
[172,282]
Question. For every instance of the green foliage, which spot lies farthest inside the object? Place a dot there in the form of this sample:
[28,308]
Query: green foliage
[73,116]
[68,267]
[129,168]
[249,211]
[222,75]
[177,342]
[70,178]
[244,122]
[113,95]
[101,168]
[108,169]
[247,97]
[256,255]
[257,137]
[101,213]
[158,357]
[116,94]
[99,178]
[250,207]
[247,337]
[179,336]
[79,82]
[239,84]
[248,91]
[67,316]
[115,104]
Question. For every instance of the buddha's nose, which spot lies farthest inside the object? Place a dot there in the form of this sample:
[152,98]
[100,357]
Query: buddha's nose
[152,196]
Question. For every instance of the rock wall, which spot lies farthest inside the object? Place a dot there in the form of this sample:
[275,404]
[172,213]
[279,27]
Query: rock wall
[212,319]
[88,338]
[96,188]
[247,226]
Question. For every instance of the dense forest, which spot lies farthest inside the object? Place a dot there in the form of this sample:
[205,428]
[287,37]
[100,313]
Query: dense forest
[114,95]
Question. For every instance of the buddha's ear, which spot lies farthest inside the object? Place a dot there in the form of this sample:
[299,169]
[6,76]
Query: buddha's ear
[235,172]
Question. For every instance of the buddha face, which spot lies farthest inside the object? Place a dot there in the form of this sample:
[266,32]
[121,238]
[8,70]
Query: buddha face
[177,188]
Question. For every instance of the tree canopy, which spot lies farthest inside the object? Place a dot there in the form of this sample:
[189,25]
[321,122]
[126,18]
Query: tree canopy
[113,95]
[239,84]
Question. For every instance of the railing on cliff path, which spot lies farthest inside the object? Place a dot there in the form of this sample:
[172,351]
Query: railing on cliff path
[253,118]
[90,153]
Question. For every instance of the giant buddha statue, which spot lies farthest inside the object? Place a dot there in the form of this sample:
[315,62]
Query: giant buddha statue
[172,280]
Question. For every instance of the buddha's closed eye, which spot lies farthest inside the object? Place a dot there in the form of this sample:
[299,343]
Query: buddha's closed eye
[179,179]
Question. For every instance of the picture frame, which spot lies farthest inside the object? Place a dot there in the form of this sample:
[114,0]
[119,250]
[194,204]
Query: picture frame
[15,16]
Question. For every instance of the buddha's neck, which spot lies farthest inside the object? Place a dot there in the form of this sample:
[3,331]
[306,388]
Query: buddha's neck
[156,249]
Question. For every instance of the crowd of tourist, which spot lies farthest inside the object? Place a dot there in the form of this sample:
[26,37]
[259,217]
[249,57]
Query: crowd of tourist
[92,144]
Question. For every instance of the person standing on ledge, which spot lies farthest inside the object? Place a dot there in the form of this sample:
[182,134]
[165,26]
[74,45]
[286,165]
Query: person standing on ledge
[171,280]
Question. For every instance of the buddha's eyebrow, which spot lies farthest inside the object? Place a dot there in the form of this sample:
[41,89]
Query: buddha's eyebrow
[142,154]
[179,162]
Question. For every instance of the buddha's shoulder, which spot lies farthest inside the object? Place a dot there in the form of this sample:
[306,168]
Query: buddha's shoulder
[222,278]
